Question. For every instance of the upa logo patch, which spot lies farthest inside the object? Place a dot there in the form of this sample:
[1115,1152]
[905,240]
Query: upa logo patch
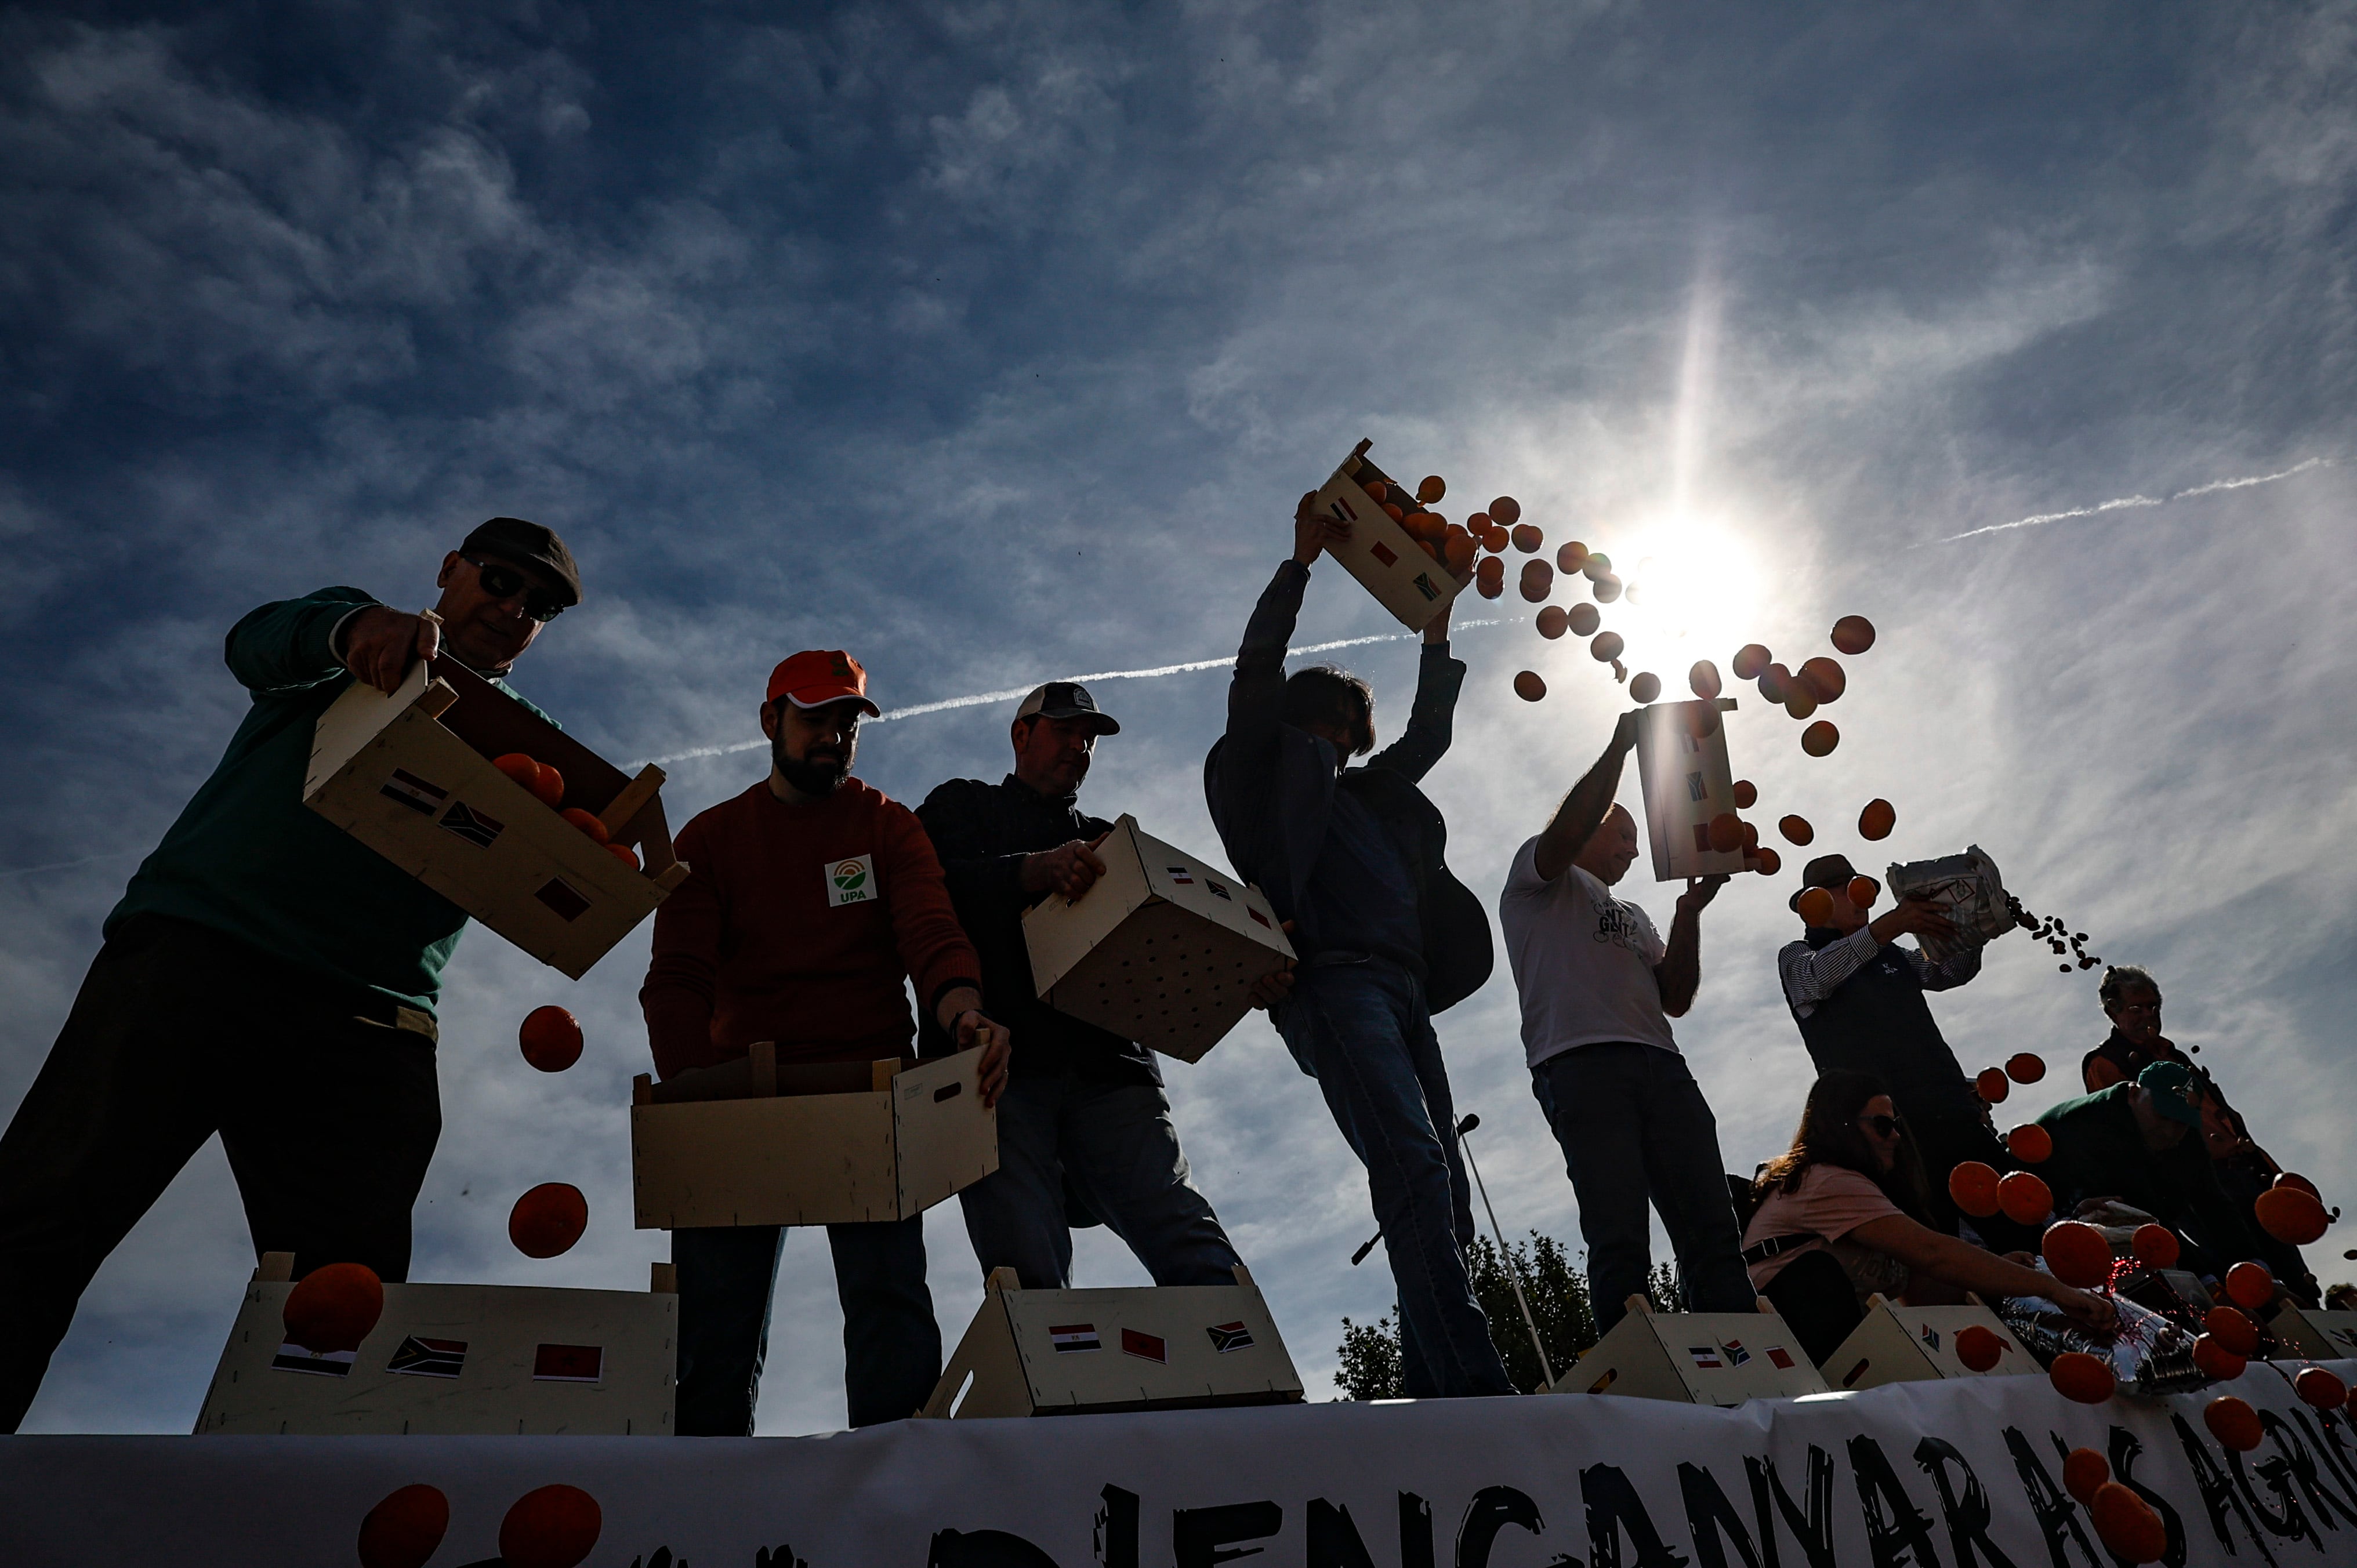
[851,881]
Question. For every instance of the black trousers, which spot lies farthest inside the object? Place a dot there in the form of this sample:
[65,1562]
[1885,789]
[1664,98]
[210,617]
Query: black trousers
[327,1109]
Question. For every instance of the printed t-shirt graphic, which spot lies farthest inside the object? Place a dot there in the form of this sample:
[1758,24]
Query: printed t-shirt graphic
[1583,961]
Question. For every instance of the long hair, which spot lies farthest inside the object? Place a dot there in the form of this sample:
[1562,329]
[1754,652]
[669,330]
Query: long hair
[1828,1135]
[1322,692]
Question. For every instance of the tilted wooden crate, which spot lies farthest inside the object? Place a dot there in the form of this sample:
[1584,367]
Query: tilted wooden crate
[1896,1344]
[1694,1358]
[1382,554]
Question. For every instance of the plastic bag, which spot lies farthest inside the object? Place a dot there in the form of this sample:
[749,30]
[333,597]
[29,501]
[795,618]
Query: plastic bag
[2148,1353]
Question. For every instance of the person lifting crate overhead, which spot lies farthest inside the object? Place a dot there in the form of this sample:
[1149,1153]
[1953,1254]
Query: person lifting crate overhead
[270,976]
[810,903]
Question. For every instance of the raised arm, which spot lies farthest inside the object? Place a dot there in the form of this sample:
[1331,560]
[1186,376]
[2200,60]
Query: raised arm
[1679,975]
[1432,720]
[289,645]
[1926,1251]
[1582,811]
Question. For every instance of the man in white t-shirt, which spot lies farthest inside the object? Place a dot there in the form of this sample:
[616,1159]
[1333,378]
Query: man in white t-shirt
[1599,989]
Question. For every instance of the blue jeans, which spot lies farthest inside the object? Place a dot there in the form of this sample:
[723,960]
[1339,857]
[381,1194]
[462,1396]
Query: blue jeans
[1362,1030]
[1115,1144]
[1635,1128]
[891,1346]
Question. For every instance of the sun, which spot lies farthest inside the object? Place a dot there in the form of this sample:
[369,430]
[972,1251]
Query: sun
[1692,592]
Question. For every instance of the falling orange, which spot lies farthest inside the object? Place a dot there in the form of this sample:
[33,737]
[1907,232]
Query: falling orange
[1506,509]
[2215,1361]
[1527,538]
[1819,738]
[1815,908]
[2287,1214]
[1798,833]
[2077,1254]
[1863,891]
[1875,821]
[1853,635]
[1607,588]
[550,1038]
[333,1308]
[1538,580]
[1747,794]
[2024,1067]
[1769,861]
[2084,1471]
[1726,832]
[1644,687]
[1606,647]
[2318,1389]
[1978,1349]
[2024,1198]
[2155,1246]
[548,1220]
[1583,620]
[2233,1329]
[1571,557]
[2031,1145]
[1975,1189]
[2234,1424]
[2126,1525]
[404,1528]
[1750,660]
[2085,1379]
[2250,1286]
[1799,701]
[1992,1085]
[1431,488]
[1553,622]
[1826,679]
[1529,687]
[1703,679]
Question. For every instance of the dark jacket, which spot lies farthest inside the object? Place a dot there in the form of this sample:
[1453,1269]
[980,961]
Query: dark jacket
[983,831]
[2099,1151]
[1271,787]
[1877,1022]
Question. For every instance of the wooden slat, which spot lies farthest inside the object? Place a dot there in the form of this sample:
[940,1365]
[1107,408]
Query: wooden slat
[623,807]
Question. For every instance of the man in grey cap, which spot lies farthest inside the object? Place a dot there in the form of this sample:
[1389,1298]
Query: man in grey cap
[267,976]
[1085,1131]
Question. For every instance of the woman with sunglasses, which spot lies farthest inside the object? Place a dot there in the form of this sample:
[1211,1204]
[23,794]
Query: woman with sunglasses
[1841,1215]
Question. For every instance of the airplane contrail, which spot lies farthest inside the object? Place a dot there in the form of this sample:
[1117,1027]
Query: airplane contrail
[1009,693]
[2125,503]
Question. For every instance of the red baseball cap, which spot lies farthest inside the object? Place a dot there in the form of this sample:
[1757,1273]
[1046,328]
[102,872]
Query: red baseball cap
[819,676]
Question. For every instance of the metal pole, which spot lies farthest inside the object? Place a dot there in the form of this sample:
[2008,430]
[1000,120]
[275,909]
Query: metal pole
[1513,1270]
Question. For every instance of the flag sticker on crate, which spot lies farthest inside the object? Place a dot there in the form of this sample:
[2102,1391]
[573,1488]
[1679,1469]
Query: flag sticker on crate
[569,902]
[1931,1336]
[472,825]
[568,1364]
[1706,1356]
[296,1359]
[413,792]
[1779,1358]
[1382,553]
[1147,1346]
[419,1358]
[1227,1337]
[1736,1353]
[1218,891]
[1071,1336]
[1180,874]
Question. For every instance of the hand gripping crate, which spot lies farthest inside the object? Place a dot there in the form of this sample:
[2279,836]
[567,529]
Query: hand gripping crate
[411,777]
[1895,1344]
[1686,782]
[456,1360]
[1381,554]
[1161,949]
[1073,1352]
[1696,1358]
[756,1143]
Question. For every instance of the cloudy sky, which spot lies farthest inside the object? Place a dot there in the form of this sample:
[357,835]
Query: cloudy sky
[993,342]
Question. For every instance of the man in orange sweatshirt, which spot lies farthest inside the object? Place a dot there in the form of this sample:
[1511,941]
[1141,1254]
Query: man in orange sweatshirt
[811,901]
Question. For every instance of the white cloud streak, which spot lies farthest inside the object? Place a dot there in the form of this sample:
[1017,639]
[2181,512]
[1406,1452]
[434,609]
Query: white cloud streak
[2125,503]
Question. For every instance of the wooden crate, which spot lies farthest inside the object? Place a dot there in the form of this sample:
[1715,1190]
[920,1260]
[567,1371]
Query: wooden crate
[1069,1353]
[456,1360]
[1162,949]
[1694,1358]
[754,1143]
[410,776]
[1686,782]
[1898,1344]
[1381,554]
[2314,1335]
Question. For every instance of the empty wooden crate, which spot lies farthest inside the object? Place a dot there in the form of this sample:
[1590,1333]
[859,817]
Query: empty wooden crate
[1694,1358]
[1895,1344]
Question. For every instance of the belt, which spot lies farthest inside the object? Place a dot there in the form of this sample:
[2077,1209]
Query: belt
[1777,1246]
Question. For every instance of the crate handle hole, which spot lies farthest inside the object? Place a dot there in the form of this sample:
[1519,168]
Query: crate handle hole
[947,1091]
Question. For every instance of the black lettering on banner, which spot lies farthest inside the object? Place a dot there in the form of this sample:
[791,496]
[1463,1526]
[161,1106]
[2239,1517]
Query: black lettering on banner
[2325,1501]
[1416,1532]
[1333,1539]
[2217,1492]
[2291,1522]
[984,1549]
[1812,1529]
[1968,1516]
[1198,1536]
[769,1557]
[1614,1506]
[2335,1459]
[2126,1447]
[2056,1515]
[1902,1534]
[1491,1511]
[1709,1516]
[1116,1528]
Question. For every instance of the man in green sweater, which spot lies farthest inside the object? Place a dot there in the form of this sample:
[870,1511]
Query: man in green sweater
[266,977]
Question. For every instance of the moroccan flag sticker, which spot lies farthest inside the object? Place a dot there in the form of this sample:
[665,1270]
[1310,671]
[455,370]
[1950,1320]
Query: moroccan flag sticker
[1145,1346]
[568,1364]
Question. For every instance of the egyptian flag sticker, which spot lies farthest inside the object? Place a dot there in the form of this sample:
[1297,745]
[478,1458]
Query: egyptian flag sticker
[1147,1346]
[1706,1356]
[296,1359]
[413,792]
[1074,1336]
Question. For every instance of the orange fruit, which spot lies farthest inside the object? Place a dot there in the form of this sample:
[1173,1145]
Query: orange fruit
[1863,891]
[1747,794]
[1798,833]
[1726,831]
[550,1038]
[1423,526]
[1430,489]
[1750,660]
[1824,677]
[2088,1379]
[1972,1187]
[1456,551]
[2320,1389]
[2024,1067]
[1978,1349]
[1775,683]
[1992,1085]
[2031,1145]
[1703,679]
[550,1527]
[1491,570]
[1584,620]
[2250,1286]
[550,786]
[1396,513]
[586,821]
[2289,1214]
[1799,701]
[2024,1198]
[1553,622]
[1497,539]
[624,853]
[1751,838]
[2127,1524]
[1853,635]
[1488,586]
[523,769]
[404,1528]
[1607,588]
[548,1220]
[2288,1179]
[1644,687]
[2077,1254]
[1571,557]
[333,1307]
[1375,489]
[2155,1245]
[2215,1361]
[1819,738]
[2084,1470]
[1816,907]
[1527,538]
[1538,580]
[1769,861]
[1478,524]
[1506,509]
[1529,687]
[2232,1423]
[1875,821]
[2231,1329]
[1606,647]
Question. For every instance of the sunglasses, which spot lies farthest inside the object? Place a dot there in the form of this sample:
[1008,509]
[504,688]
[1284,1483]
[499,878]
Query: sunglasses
[1881,1126]
[504,582]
